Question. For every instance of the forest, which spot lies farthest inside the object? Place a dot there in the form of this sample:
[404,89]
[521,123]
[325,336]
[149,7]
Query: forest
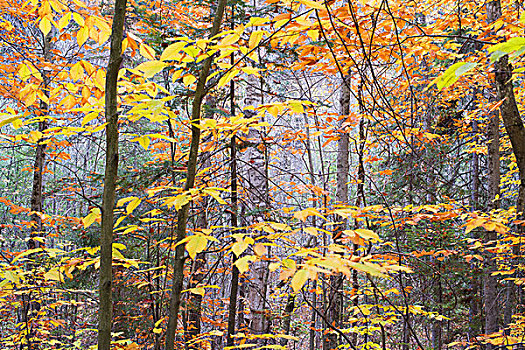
[262,174]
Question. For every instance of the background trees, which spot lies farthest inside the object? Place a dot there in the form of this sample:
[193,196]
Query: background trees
[345,183]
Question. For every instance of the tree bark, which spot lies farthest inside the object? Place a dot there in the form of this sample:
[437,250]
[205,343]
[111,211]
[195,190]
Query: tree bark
[335,296]
[182,216]
[105,312]
[232,309]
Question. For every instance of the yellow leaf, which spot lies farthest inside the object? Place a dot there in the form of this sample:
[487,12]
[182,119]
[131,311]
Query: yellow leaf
[227,78]
[123,201]
[313,34]
[45,26]
[474,223]
[89,117]
[93,215]
[150,68]
[77,71]
[296,106]
[311,230]
[64,21]
[132,205]
[197,290]
[188,79]
[372,270]
[196,244]
[144,141]
[157,330]
[257,21]
[53,275]
[172,52]
[244,263]
[239,247]
[312,4]
[299,279]
[229,40]
[23,72]
[78,18]
[367,234]
[303,214]
[215,194]
[82,35]
[255,39]
[147,52]
[178,201]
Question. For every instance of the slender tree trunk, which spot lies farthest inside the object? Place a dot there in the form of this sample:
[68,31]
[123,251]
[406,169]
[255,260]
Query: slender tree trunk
[335,296]
[257,204]
[474,307]
[105,312]
[287,317]
[490,282]
[232,309]
[37,199]
[194,304]
[182,217]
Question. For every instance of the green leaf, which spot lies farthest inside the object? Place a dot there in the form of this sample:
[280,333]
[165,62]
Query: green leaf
[452,74]
[516,45]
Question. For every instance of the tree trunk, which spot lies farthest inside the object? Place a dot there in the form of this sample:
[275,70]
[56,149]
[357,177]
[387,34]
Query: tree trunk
[335,296]
[474,307]
[232,309]
[182,217]
[105,312]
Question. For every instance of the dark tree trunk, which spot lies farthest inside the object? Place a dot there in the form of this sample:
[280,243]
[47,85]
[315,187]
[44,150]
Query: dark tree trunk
[105,312]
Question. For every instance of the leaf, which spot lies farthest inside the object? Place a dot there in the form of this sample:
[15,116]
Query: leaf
[93,215]
[45,26]
[144,141]
[147,52]
[370,269]
[26,253]
[299,279]
[82,35]
[64,21]
[77,71]
[215,194]
[197,290]
[173,52]
[9,119]
[239,247]
[255,39]
[229,40]
[227,77]
[367,234]
[188,80]
[515,44]
[79,19]
[259,249]
[132,205]
[53,275]
[150,68]
[451,75]
[195,245]
[244,263]
[313,34]
[312,4]
[474,223]
[178,201]
[304,214]
[258,21]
